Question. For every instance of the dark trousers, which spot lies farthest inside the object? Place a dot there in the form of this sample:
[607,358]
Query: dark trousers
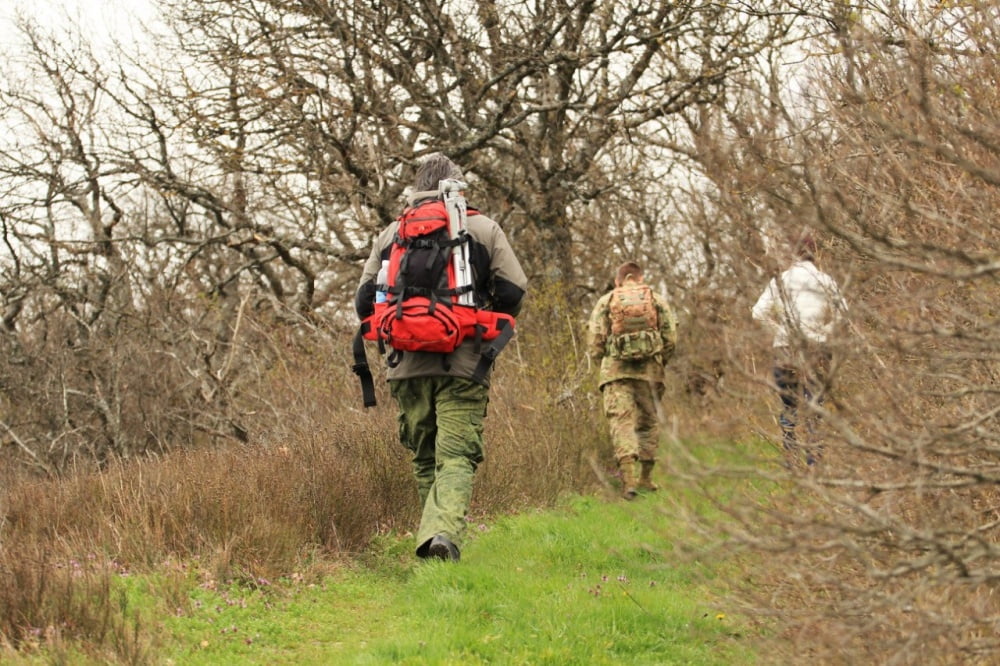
[802,378]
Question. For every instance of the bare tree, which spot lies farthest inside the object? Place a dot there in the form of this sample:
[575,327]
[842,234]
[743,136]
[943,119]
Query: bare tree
[122,321]
[884,143]
[537,100]
[174,204]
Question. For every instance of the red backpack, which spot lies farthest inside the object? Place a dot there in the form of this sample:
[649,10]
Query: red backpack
[426,309]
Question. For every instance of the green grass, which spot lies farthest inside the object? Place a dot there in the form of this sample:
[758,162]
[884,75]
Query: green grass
[591,583]
[594,581]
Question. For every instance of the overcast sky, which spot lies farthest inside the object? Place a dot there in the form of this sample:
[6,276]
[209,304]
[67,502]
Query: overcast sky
[98,18]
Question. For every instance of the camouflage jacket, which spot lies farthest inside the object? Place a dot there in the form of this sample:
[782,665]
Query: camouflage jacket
[599,330]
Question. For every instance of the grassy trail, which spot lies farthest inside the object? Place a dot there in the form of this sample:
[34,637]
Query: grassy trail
[591,583]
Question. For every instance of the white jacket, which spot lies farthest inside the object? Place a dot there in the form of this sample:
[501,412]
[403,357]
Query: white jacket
[803,301]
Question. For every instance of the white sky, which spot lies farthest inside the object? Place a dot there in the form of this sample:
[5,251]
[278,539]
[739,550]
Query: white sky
[100,19]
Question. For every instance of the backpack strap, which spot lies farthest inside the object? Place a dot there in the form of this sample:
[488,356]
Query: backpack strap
[361,368]
[489,355]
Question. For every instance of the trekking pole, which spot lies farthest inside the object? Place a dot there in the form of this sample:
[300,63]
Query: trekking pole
[455,204]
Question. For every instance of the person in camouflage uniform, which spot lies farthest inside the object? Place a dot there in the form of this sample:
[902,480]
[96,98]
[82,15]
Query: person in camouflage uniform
[441,407]
[632,384]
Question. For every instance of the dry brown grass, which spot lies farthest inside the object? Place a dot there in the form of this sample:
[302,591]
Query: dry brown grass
[318,480]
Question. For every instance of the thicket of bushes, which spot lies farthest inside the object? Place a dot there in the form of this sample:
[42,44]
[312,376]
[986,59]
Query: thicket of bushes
[175,372]
[317,479]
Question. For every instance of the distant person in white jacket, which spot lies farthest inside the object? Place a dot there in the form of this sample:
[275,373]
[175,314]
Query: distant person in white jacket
[801,307]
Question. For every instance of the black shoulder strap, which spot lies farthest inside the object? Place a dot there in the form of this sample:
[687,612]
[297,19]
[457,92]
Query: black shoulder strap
[489,355]
[361,368]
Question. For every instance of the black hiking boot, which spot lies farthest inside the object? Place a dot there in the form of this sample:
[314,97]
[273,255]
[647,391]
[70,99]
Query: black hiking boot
[442,548]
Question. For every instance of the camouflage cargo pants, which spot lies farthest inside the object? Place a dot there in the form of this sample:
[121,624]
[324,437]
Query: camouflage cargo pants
[441,423]
[630,407]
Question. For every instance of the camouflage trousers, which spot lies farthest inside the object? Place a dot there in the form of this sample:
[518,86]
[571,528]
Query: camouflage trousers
[630,406]
[441,423]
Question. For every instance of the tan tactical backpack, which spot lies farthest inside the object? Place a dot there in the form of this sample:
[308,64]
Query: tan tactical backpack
[635,323]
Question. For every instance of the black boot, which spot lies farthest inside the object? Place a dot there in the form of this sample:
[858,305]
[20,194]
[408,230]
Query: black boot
[442,548]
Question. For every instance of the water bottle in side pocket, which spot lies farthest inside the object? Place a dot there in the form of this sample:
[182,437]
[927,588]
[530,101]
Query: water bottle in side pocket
[380,281]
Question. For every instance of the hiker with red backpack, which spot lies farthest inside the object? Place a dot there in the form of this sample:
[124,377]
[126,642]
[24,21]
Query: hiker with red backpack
[632,332]
[439,293]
